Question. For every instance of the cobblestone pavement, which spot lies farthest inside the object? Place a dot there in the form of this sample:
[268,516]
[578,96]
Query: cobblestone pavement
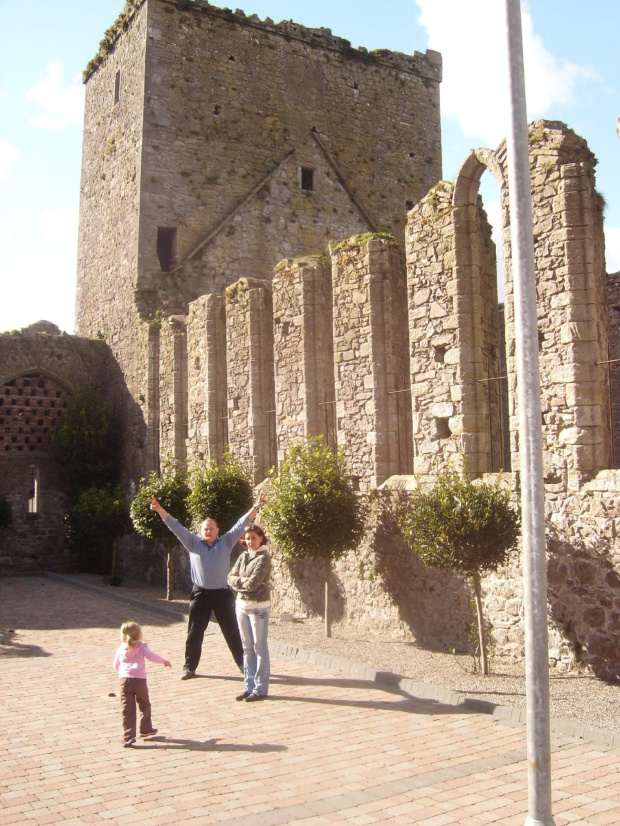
[322,749]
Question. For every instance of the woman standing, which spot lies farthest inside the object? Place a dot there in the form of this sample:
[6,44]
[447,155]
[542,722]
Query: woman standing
[249,578]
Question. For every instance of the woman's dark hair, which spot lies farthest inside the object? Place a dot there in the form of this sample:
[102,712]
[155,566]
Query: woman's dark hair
[257,530]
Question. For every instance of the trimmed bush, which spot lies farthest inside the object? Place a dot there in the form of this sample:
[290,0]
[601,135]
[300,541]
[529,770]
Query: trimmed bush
[171,491]
[467,526]
[313,511]
[220,490]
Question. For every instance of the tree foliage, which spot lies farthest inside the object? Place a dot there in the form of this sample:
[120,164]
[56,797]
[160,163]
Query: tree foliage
[461,524]
[93,522]
[6,512]
[313,510]
[220,490]
[465,525]
[83,443]
[171,490]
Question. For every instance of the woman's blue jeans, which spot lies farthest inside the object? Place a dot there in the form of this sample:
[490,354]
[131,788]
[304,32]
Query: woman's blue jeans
[253,625]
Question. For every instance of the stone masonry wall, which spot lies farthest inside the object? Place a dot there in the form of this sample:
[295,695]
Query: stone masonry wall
[573,324]
[108,238]
[433,331]
[173,388]
[303,350]
[251,393]
[228,97]
[39,368]
[380,587]
[207,382]
[191,117]
[613,286]
[370,340]
[453,328]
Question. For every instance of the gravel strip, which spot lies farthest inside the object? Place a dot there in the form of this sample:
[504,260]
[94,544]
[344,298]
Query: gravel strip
[577,697]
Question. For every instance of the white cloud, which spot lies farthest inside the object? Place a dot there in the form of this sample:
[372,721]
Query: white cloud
[62,105]
[612,248]
[471,37]
[42,274]
[6,235]
[9,155]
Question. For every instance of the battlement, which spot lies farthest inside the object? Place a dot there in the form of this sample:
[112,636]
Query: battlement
[427,65]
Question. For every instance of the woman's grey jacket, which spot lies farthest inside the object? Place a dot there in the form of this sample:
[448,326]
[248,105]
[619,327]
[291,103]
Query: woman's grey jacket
[256,567]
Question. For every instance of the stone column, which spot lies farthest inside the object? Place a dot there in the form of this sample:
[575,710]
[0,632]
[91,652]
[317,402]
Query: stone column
[303,348]
[613,285]
[207,406]
[573,310]
[152,399]
[370,339]
[434,334]
[251,393]
[173,388]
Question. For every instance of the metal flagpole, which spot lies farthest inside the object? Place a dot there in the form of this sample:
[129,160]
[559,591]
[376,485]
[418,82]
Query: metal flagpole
[530,436]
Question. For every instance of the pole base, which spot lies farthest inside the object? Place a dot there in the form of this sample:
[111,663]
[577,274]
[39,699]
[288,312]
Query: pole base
[530,821]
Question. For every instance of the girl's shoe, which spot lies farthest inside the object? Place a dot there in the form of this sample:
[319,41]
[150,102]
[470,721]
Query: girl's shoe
[128,741]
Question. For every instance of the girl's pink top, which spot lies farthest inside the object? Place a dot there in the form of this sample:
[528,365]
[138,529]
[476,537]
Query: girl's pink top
[130,662]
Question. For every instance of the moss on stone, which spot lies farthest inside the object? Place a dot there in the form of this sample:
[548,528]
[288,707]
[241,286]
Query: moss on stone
[357,241]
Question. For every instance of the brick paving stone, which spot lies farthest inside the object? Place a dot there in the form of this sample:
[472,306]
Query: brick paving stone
[325,748]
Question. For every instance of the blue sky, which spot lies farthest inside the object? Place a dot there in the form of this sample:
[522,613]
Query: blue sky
[571,61]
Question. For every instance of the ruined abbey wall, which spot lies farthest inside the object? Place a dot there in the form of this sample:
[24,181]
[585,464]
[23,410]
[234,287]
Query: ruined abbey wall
[454,339]
[39,368]
[217,145]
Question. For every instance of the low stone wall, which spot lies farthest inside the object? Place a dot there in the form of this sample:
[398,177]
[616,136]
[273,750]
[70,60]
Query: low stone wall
[381,587]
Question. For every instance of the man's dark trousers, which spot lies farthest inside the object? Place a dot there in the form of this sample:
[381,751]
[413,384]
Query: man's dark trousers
[202,602]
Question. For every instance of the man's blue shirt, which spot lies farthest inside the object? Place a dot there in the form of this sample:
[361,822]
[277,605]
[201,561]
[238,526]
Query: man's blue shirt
[209,564]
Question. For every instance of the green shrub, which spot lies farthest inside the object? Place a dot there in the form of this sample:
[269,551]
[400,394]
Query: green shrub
[220,490]
[467,526]
[92,523]
[6,512]
[313,510]
[171,491]
[83,443]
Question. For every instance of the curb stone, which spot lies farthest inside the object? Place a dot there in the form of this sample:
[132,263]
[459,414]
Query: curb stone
[601,738]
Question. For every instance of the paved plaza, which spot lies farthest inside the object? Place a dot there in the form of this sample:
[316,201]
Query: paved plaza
[323,749]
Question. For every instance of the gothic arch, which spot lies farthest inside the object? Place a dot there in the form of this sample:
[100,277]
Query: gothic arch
[481,347]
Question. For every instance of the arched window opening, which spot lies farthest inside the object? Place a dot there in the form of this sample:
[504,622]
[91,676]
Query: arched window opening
[493,384]
[33,491]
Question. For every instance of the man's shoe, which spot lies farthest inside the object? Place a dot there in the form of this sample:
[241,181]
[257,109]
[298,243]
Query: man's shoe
[128,741]
[148,733]
[254,697]
[243,696]
[187,674]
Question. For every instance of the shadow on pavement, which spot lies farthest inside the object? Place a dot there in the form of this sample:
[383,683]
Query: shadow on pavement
[9,647]
[207,745]
[407,703]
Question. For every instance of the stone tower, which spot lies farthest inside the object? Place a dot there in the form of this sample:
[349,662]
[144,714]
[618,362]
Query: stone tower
[217,144]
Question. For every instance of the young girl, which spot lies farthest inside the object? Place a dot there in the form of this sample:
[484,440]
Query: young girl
[131,667]
[250,579]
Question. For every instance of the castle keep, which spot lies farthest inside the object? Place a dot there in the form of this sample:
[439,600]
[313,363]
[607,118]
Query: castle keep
[216,145]
[267,251]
